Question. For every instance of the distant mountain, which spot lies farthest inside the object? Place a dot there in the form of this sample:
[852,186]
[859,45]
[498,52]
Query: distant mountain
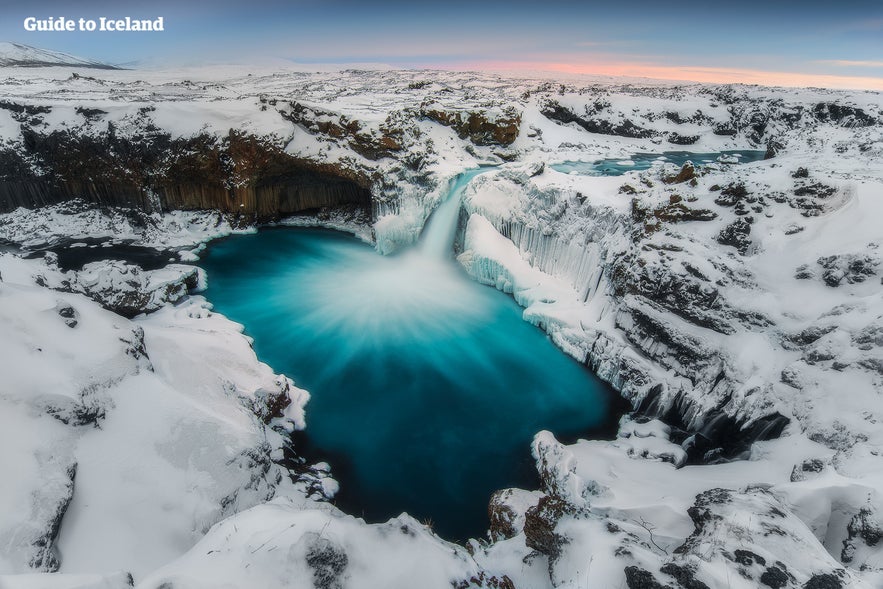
[18,55]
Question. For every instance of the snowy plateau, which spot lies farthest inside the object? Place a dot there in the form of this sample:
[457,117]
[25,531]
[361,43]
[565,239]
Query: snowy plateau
[737,307]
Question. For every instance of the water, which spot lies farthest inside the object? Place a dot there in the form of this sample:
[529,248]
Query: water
[441,228]
[643,161]
[73,254]
[427,388]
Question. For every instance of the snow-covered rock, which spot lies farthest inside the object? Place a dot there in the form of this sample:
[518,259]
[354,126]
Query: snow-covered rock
[280,544]
[138,436]
[730,303]
[20,55]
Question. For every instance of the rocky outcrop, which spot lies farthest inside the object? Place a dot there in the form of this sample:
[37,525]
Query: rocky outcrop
[128,290]
[241,174]
[356,135]
[481,128]
[554,111]
[50,504]
[843,115]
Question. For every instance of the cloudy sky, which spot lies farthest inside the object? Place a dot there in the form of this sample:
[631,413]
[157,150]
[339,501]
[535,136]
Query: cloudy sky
[837,44]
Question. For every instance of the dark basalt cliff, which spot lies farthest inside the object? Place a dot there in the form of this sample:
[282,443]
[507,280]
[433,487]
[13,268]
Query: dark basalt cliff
[239,174]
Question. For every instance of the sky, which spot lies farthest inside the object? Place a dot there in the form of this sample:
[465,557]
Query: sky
[776,42]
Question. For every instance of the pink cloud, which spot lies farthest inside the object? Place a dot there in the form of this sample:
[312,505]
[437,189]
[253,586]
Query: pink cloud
[852,63]
[713,75]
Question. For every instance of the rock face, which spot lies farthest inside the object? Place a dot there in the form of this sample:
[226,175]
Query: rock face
[373,146]
[152,171]
[127,290]
[625,128]
[678,289]
[479,127]
[851,268]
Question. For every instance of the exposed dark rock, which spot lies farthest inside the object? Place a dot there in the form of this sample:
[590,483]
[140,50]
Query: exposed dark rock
[68,313]
[28,110]
[88,410]
[314,120]
[873,364]
[554,111]
[271,404]
[690,294]
[678,212]
[824,581]
[484,581]
[800,173]
[736,234]
[818,354]
[135,347]
[90,114]
[804,272]
[737,524]
[801,471]
[817,190]
[675,211]
[239,174]
[328,562]
[678,139]
[501,516]
[732,194]
[775,577]
[478,127]
[862,529]
[539,526]
[773,148]
[852,268]
[843,115]
[725,130]
[748,558]
[685,575]
[757,122]
[638,578]
[869,337]
[687,172]
[127,290]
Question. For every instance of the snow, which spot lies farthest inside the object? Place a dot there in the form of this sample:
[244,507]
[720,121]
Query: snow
[56,581]
[282,544]
[655,306]
[170,429]
[19,55]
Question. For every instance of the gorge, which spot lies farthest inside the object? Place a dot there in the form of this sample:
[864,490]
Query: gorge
[735,306]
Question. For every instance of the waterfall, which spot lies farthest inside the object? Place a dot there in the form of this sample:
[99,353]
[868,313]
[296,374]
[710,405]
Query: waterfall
[438,235]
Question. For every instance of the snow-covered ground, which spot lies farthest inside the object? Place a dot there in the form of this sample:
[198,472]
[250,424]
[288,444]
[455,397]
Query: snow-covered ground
[730,298]
[19,55]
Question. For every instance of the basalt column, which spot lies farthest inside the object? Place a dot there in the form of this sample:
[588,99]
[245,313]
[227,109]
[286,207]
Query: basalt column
[240,174]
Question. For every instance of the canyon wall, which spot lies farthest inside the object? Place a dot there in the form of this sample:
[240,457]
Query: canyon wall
[238,174]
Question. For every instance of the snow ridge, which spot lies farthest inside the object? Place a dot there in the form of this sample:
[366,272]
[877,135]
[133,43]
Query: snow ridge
[19,55]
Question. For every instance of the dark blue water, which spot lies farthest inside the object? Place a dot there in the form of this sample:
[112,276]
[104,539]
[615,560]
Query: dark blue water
[427,388]
[643,161]
[73,254]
